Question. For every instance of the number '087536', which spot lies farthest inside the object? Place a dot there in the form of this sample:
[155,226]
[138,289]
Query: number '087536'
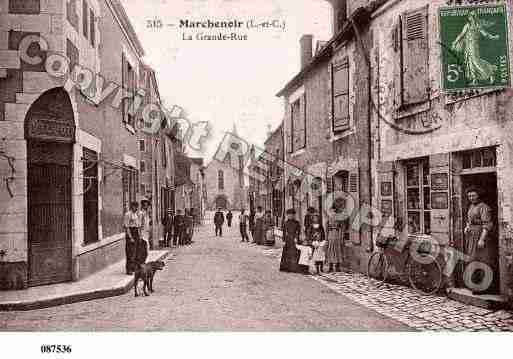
[55,349]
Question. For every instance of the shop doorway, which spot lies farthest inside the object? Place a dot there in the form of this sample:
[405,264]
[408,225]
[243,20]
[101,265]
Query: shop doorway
[487,183]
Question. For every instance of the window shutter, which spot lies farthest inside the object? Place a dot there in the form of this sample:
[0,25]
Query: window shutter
[302,142]
[415,56]
[341,96]
[440,200]
[85,19]
[123,82]
[354,191]
[398,64]
[92,28]
[329,184]
[386,197]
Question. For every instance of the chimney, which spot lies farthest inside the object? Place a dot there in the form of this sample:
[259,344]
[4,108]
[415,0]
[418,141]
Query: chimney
[306,44]
[339,14]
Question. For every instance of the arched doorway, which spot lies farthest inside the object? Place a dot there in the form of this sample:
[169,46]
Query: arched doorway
[221,202]
[50,134]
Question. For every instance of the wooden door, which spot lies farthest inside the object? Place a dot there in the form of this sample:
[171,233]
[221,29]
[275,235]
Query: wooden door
[49,213]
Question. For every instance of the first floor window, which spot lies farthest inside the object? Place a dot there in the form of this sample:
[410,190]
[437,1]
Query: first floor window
[418,190]
[220,178]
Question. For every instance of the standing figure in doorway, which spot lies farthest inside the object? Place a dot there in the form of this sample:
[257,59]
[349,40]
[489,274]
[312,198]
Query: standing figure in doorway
[479,244]
[218,222]
[131,223]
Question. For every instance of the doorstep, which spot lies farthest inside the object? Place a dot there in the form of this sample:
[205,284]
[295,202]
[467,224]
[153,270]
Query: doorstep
[108,282]
[487,301]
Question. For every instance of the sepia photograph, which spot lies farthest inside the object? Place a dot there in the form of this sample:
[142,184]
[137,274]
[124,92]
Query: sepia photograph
[255,167]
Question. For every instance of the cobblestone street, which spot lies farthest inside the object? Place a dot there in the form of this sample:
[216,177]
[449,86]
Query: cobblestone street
[215,284]
[426,313]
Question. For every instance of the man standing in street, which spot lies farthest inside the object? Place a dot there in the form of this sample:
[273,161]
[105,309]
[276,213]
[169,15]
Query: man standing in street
[168,227]
[178,224]
[132,225]
[229,217]
[243,225]
[218,222]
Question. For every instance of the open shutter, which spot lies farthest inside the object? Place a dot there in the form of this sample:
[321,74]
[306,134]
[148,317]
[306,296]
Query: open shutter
[354,191]
[124,77]
[440,209]
[302,142]
[398,64]
[341,96]
[415,56]
[386,197]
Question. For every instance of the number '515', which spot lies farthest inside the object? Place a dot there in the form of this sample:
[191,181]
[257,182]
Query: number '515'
[453,72]
[154,24]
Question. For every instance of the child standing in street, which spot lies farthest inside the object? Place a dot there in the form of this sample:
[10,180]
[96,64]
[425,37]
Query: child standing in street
[305,258]
[319,254]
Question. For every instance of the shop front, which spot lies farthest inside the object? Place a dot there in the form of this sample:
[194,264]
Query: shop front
[450,198]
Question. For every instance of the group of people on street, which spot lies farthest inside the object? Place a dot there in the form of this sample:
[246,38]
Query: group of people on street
[178,228]
[137,224]
[316,249]
[259,224]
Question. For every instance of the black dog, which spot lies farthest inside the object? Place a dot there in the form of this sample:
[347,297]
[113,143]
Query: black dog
[146,272]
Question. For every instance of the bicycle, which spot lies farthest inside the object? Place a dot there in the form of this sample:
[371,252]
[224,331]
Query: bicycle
[424,272]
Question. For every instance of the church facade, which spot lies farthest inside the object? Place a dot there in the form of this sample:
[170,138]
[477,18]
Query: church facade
[224,177]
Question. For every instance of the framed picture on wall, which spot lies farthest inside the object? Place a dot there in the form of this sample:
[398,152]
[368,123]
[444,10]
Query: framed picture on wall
[386,189]
[439,200]
[439,182]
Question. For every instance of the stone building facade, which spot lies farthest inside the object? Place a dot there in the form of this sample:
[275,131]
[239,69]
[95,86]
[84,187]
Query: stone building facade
[75,158]
[434,145]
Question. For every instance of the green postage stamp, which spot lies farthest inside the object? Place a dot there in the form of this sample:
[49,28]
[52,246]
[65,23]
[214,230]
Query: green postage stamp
[475,47]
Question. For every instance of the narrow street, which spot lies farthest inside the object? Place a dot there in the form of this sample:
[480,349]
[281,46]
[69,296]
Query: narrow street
[216,284]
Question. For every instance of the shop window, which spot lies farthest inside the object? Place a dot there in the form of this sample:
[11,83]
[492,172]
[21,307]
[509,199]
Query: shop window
[24,6]
[90,197]
[479,158]
[418,189]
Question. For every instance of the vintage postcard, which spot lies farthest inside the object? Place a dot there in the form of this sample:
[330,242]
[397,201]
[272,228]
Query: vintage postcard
[255,166]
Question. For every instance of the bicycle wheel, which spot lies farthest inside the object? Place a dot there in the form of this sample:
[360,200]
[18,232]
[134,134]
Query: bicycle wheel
[377,267]
[425,277]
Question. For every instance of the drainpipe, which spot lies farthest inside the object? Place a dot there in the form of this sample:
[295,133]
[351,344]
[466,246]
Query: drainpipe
[366,57]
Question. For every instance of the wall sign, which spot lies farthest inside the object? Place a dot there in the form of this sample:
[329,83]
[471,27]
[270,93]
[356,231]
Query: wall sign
[474,47]
[439,182]
[439,200]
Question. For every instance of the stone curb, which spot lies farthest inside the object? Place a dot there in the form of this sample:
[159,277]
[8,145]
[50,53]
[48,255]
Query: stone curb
[73,298]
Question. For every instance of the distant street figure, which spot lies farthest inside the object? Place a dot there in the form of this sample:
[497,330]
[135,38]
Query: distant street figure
[218,222]
[168,228]
[252,225]
[229,217]
[290,255]
[131,223]
[259,226]
[178,225]
[243,225]
[144,244]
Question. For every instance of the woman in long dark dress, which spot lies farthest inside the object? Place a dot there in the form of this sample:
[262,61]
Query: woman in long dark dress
[479,241]
[259,226]
[290,255]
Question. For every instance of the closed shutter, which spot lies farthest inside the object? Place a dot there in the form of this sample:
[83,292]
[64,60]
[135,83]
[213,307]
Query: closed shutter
[341,96]
[386,197]
[354,191]
[440,201]
[415,56]
[299,123]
